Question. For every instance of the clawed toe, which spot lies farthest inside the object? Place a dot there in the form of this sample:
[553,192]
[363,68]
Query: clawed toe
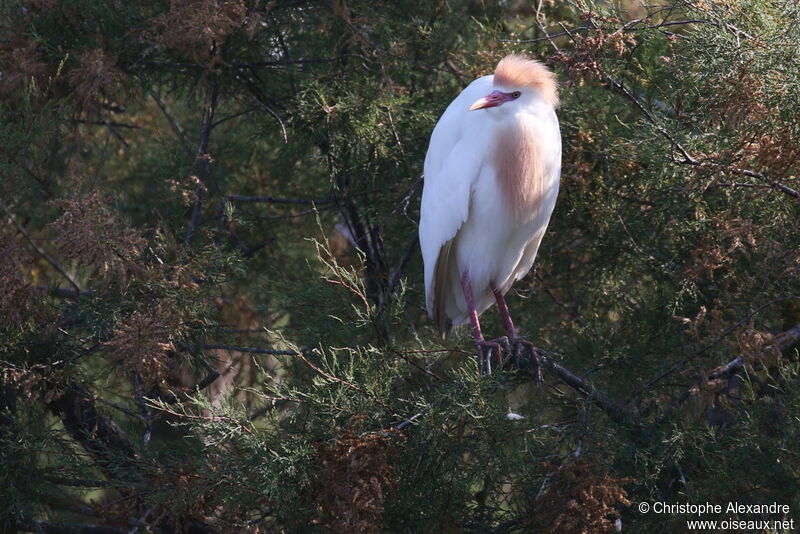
[522,347]
[487,349]
[516,349]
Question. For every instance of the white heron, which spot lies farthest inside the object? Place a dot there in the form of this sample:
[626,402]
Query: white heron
[491,180]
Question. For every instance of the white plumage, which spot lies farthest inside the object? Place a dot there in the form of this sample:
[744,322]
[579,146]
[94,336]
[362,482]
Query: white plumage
[491,180]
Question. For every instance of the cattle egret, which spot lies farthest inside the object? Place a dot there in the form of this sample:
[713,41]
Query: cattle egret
[491,180]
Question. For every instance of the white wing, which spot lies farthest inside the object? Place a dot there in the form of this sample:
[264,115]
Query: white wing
[452,166]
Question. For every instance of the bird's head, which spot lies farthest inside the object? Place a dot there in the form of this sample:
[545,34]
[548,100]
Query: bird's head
[519,81]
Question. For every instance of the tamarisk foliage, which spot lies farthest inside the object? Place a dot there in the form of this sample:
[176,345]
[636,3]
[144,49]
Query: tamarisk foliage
[212,311]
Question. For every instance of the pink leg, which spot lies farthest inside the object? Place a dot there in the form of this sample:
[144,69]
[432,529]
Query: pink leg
[466,285]
[485,348]
[518,345]
[507,322]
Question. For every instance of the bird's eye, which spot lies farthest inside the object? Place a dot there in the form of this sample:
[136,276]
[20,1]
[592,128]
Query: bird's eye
[516,94]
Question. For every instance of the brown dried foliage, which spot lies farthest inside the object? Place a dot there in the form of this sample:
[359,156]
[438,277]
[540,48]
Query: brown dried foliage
[354,476]
[717,249]
[704,324]
[96,72]
[197,28]
[758,350]
[193,489]
[585,62]
[140,343]
[186,189]
[741,106]
[15,288]
[777,152]
[577,172]
[90,231]
[766,141]
[581,499]
[185,479]
[21,63]
[714,398]
[37,381]
[756,346]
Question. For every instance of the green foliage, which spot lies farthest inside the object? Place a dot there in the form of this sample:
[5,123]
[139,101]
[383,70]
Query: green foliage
[213,311]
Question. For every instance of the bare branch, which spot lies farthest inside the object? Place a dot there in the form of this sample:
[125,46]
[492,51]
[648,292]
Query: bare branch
[39,250]
[164,408]
[212,376]
[611,408]
[401,267]
[203,160]
[256,350]
[65,528]
[338,380]
[627,28]
[687,158]
[702,350]
[104,122]
[783,342]
[789,339]
[279,200]
[752,174]
[98,434]
[173,123]
[274,113]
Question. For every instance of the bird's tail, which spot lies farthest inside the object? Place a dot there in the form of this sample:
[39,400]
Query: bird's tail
[440,287]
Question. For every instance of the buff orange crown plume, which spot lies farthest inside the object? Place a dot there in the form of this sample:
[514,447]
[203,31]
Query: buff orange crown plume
[516,70]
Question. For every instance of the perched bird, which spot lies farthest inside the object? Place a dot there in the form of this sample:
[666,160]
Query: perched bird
[491,180]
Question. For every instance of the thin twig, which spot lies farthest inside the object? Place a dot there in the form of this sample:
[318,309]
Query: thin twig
[540,23]
[173,122]
[274,113]
[340,380]
[65,528]
[401,267]
[233,116]
[702,350]
[39,250]
[279,200]
[415,364]
[147,415]
[103,122]
[213,418]
[686,157]
[203,159]
[256,350]
[628,27]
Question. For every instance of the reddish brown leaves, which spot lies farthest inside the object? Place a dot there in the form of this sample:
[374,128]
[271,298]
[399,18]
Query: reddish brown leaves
[96,73]
[141,342]
[582,498]
[197,28]
[15,288]
[90,231]
[585,62]
[354,475]
[21,63]
[720,248]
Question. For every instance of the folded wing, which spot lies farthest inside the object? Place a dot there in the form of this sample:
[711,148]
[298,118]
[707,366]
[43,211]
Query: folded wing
[452,166]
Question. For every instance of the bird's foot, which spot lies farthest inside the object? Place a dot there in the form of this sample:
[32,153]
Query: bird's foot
[521,347]
[487,349]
